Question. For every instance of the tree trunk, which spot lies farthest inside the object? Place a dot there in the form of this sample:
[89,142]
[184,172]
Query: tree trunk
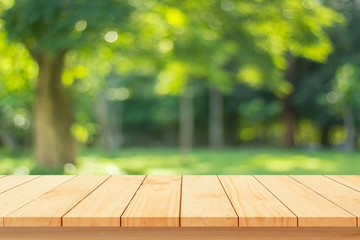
[101,113]
[170,136]
[289,123]
[8,141]
[54,144]
[288,109]
[325,143]
[110,125]
[117,126]
[349,122]
[216,119]
[186,120]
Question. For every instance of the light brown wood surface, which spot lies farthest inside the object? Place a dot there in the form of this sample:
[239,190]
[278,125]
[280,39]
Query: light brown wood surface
[106,204]
[176,233]
[352,181]
[14,180]
[254,204]
[48,209]
[339,194]
[156,203]
[179,201]
[310,208]
[205,203]
[21,195]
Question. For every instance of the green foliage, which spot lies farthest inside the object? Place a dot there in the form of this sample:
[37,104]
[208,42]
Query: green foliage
[327,89]
[247,40]
[259,111]
[17,80]
[60,25]
[138,55]
[284,28]
[346,87]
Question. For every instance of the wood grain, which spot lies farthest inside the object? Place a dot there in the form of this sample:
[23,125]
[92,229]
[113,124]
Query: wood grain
[254,204]
[172,201]
[176,233]
[352,181]
[12,181]
[341,195]
[106,204]
[156,203]
[21,195]
[48,209]
[310,208]
[204,203]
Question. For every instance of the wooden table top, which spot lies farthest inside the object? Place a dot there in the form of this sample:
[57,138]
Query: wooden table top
[207,200]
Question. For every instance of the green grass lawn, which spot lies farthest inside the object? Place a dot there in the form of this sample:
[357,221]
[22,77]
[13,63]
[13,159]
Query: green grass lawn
[200,161]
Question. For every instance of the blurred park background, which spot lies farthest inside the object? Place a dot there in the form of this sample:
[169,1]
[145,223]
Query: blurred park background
[179,87]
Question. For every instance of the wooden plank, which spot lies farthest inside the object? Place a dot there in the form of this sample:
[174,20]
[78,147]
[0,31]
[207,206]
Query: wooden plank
[204,203]
[254,204]
[21,195]
[106,204]
[352,181]
[156,203]
[337,193]
[177,233]
[310,208]
[12,181]
[48,209]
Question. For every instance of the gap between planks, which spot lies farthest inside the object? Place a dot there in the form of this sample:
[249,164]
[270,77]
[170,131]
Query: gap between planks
[156,203]
[350,181]
[132,199]
[62,218]
[227,195]
[181,190]
[311,208]
[9,182]
[12,203]
[47,210]
[338,191]
[297,218]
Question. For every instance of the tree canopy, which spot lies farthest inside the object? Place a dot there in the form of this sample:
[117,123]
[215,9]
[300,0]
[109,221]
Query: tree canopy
[119,66]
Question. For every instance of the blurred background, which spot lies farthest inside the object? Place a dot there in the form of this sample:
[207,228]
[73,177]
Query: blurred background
[179,87]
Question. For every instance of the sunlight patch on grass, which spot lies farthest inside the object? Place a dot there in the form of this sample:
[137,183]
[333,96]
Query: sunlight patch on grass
[162,171]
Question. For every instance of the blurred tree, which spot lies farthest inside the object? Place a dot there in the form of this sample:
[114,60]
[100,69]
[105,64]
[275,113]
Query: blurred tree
[287,30]
[216,131]
[346,91]
[49,29]
[310,86]
[344,97]
[260,51]
[328,92]
[17,77]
